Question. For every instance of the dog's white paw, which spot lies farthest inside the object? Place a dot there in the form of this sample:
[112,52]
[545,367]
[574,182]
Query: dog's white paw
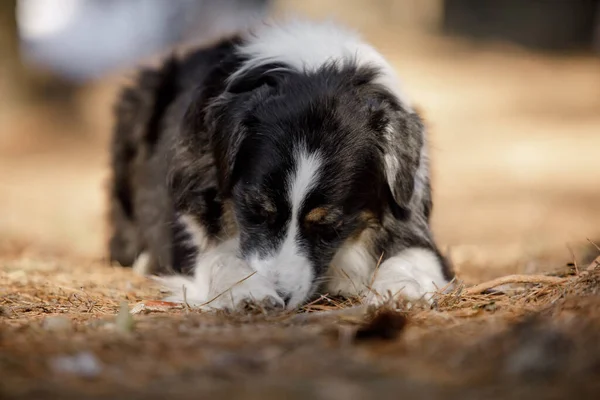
[223,281]
[413,274]
[255,291]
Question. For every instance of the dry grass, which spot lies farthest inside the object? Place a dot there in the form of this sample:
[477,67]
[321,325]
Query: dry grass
[64,335]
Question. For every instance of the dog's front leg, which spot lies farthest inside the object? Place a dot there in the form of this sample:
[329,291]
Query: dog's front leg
[222,280]
[414,273]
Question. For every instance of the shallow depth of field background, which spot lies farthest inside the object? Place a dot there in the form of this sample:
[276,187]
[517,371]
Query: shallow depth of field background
[515,137]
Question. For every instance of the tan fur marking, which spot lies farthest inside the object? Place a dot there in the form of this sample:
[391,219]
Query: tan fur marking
[318,214]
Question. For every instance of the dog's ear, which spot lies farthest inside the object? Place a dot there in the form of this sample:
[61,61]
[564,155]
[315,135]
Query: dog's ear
[248,79]
[402,155]
[225,122]
[228,115]
[231,114]
[401,140]
[400,135]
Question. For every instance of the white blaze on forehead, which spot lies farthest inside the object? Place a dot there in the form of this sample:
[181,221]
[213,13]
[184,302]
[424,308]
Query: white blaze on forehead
[289,267]
[304,178]
[308,46]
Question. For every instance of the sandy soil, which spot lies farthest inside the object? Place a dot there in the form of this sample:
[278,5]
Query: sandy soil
[516,168]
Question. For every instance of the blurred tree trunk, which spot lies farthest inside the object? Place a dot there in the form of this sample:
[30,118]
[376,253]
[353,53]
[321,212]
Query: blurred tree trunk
[22,87]
[14,77]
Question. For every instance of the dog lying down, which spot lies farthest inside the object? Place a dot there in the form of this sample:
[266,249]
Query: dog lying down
[273,167]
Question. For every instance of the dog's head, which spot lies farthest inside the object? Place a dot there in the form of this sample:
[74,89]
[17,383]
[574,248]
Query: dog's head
[312,146]
[308,160]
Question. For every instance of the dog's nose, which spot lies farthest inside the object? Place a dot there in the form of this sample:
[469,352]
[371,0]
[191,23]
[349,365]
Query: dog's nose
[286,297]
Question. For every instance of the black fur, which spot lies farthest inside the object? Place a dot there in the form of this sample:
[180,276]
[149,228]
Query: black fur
[143,204]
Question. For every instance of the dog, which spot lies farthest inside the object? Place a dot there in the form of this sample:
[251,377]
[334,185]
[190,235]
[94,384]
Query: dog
[272,167]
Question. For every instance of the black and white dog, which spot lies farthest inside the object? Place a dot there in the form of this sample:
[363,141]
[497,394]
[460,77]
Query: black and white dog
[272,167]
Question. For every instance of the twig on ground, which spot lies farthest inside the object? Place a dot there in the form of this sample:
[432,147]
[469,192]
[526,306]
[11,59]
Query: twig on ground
[594,244]
[574,260]
[513,279]
[370,290]
[375,272]
[354,311]
[594,264]
[185,302]
[321,298]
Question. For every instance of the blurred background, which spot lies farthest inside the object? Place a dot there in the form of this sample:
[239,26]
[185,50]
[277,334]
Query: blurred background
[510,91]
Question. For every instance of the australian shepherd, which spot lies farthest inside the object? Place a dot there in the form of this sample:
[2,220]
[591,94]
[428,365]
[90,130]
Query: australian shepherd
[272,167]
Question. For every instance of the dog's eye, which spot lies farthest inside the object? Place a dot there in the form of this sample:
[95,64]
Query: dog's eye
[328,232]
[255,206]
[259,214]
[325,222]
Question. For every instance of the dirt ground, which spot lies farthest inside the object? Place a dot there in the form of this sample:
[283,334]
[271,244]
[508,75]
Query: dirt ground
[516,177]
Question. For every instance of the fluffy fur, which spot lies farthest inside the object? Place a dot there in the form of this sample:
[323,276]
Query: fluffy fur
[272,167]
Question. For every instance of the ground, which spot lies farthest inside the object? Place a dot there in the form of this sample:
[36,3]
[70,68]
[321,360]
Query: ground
[516,172]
